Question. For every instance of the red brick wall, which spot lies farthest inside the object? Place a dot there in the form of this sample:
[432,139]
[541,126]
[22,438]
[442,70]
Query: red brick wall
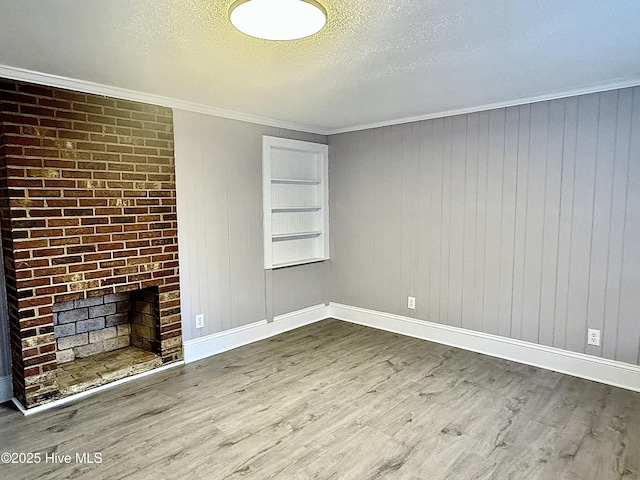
[88,205]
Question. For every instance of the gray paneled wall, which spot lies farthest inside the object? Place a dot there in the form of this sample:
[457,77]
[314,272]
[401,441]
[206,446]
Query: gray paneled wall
[298,287]
[522,222]
[219,194]
[5,353]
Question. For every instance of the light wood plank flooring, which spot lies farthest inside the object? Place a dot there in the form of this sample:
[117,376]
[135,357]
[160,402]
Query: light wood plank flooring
[339,401]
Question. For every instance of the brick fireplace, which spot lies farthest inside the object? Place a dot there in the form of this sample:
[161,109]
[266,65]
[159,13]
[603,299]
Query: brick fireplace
[89,236]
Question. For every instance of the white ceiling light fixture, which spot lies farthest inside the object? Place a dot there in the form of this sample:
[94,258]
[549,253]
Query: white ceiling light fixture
[278,19]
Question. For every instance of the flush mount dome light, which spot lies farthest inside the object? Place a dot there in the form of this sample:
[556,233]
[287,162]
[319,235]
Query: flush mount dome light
[278,19]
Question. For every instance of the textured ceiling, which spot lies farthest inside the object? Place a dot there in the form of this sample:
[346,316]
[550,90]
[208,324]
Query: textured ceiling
[376,61]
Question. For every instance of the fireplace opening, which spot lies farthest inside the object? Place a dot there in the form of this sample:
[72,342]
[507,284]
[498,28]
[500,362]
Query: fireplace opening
[103,339]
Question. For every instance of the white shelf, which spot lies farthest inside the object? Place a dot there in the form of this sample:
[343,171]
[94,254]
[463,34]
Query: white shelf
[295,209]
[288,236]
[296,201]
[299,262]
[294,181]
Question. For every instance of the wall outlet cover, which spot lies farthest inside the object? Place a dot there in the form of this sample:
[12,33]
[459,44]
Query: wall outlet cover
[593,337]
[411,303]
[200,320]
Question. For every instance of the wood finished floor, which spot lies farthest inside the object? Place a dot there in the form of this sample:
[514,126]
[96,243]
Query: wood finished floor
[339,401]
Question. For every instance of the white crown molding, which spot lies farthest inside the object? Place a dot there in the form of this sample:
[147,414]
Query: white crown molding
[15,73]
[50,80]
[209,345]
[6,389]
[633,82]
[598,369]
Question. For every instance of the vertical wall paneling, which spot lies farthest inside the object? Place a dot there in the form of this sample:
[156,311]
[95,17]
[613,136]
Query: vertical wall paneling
[456,243]
[201,250]
[445,232]
[236,204]
[582,221]
[494,214]
[380,206]
[237,216]
[397,301]
[185,143]
[422,287]
[470,220]
[551,225]
[436,180]
[362,214]
[359,211]
[481,221]
[268,294]
[522,222]
[295,288]
[535,202]
[335,219]
[629,326]
[5,353]
[601,214]
[520,225]
[219,195]
[414,158]
[507,225]
[563,276]
[405,213]
[355,215]
[342,208]
[619,192]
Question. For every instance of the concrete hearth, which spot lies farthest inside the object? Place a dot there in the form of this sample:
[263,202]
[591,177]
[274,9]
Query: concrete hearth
[90,372]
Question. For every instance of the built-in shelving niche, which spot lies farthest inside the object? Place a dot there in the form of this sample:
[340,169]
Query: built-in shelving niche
[296,204]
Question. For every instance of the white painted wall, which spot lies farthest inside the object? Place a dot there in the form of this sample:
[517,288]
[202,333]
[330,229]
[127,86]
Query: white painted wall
[219,195]
[522,222]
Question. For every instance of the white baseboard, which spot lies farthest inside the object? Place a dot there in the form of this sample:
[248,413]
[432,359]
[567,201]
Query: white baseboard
[6,389]
[203,347]
[86,393]
[601,370]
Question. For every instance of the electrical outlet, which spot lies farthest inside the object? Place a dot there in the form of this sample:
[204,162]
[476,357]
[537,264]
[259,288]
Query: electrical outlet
[200,320]
[411,303]
[593,337]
